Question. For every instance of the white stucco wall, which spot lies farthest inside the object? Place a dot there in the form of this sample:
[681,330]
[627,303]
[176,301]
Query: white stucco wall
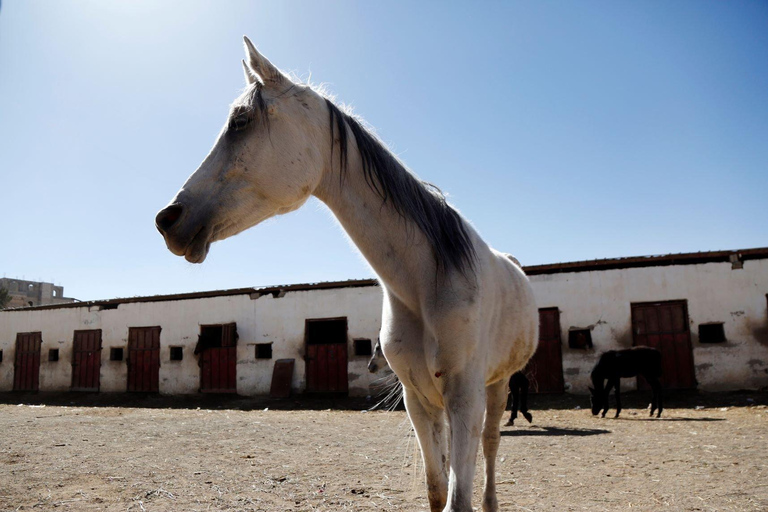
[601,301]
[598,300]
[280,321]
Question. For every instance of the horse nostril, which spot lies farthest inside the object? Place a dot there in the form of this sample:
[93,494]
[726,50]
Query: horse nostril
[168,217]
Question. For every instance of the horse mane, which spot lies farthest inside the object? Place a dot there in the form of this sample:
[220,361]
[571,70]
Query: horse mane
[413,199]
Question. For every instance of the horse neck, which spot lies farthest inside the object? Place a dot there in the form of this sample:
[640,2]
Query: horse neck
[395,248]
[598,379]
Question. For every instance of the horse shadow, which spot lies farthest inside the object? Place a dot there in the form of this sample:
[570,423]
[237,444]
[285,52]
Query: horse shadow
[668,419]
[554,431]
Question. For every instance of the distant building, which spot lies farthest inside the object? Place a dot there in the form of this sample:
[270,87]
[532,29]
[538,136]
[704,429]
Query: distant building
[706,312]
[33,293]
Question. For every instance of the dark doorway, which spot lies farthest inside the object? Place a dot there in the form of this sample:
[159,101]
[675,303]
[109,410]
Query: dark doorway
[86,360]
[144,359]
[217,350]
[545,369]
[664,326]
[327,355]
[26,366]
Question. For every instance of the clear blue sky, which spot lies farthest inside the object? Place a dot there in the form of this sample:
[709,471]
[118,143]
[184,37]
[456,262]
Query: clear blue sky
[563,130]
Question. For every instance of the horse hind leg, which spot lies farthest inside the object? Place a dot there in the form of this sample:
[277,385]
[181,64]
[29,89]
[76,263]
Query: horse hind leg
[656,400]
[495,400]
[429,424]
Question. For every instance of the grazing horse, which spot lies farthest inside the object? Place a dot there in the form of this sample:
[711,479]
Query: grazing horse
[518,388]
[459,318]
[377,360]
[617,364]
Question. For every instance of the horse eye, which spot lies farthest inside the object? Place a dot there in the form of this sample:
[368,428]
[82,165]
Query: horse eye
[239,122]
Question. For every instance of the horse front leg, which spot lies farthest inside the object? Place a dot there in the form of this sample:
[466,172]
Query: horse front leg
[606,394]
[464,396]
[429,424]
[618,397]
[495,400]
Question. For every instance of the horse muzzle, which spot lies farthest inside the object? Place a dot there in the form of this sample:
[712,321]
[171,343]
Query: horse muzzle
[183,237]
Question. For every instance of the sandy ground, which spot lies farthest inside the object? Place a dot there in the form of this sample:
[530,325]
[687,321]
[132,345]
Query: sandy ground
[234,455]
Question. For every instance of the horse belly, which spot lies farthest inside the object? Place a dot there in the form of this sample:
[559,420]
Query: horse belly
[512,335]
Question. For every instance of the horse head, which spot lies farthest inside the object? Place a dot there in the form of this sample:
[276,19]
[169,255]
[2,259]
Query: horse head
[267,160]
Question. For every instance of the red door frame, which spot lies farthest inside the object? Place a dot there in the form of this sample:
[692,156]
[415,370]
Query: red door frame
[664,325]
[326,363]
[26,366]
[545,368]
[143,359]
[86,360]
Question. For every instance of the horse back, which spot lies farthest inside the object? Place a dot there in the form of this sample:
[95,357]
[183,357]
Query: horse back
[629,362]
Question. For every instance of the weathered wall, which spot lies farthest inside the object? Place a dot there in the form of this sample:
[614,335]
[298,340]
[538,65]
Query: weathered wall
[263,320]
[597,300]
[601,301]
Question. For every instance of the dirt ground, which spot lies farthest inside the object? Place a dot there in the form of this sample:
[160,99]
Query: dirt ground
[66,452]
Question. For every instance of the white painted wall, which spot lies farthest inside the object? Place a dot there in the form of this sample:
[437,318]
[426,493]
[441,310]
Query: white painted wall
[601,301]
[264,320]
[598,300]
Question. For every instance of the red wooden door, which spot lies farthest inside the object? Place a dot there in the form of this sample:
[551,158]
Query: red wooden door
[327,356]
[664,326]
[218,361]
[545,369]
[26,366]
[327,368]
[144,359]
[86,360]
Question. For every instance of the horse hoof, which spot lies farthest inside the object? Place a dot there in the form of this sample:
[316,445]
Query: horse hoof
[528,417]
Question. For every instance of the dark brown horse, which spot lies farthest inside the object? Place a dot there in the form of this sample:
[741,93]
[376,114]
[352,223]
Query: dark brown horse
[615,365]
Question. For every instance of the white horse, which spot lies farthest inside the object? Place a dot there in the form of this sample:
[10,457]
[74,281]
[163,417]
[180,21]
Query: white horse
[459,317]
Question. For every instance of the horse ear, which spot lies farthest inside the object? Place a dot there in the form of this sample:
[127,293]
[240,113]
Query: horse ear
[260,65]
[250,76]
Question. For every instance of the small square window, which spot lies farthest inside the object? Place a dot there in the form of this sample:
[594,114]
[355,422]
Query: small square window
[177,353]
[363,347]
[53,354]
[263,351]
[711,333]
[116,354]
[580,339]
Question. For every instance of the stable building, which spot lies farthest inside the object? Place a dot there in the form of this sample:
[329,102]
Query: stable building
[706,312]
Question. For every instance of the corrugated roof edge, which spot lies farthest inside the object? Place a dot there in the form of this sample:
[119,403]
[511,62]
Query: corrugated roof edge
[694,258]
[264,290]
[691,258]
